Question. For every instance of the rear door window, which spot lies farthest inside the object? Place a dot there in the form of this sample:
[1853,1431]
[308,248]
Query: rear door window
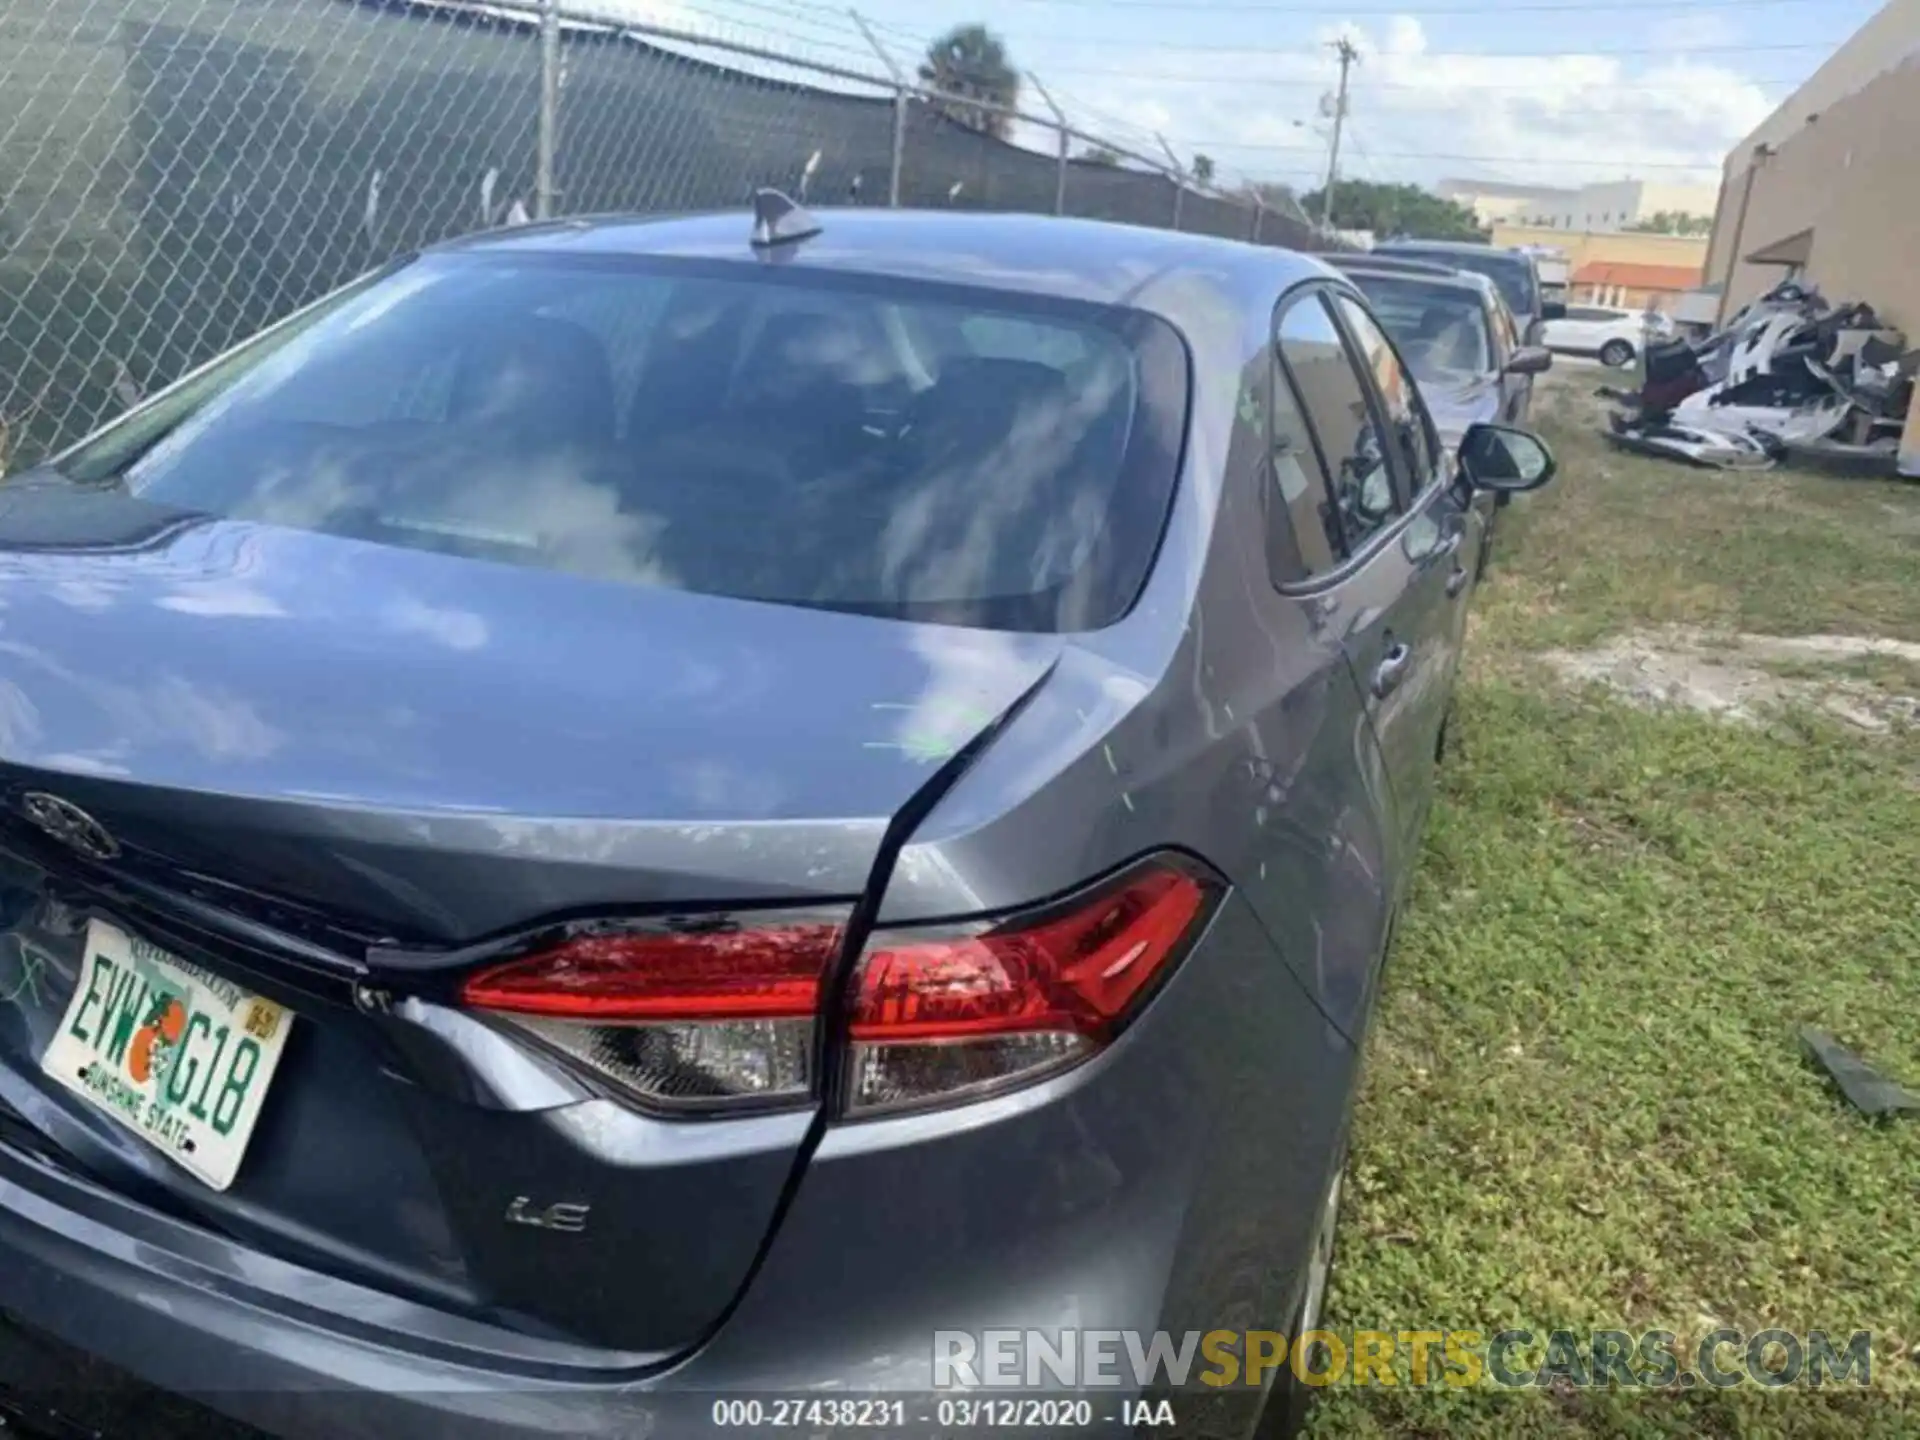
[1506,336]
[888,447]
[1359,477]
[1413,445]
[1304,536]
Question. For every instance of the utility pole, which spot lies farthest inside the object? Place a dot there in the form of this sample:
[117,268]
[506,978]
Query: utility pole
[1349,57]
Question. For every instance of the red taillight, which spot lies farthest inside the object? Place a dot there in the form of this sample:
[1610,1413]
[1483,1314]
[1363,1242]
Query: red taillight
[677,1018]
[1079,972]
[769,973]
[721,1016]
[934,1017]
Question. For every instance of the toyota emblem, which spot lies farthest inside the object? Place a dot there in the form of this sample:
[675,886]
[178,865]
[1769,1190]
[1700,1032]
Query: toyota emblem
[69,824]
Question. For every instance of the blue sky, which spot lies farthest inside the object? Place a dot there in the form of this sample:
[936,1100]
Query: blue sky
[1658,89]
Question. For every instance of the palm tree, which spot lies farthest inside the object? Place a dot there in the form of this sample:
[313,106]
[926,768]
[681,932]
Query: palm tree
[1203,169]
[971,61]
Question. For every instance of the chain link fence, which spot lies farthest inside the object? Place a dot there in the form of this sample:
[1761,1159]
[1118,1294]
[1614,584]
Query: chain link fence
[175,174]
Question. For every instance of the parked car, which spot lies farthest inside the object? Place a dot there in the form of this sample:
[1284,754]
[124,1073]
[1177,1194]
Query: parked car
[620,812]
[1460,341]
[1617,336]
[1515,271]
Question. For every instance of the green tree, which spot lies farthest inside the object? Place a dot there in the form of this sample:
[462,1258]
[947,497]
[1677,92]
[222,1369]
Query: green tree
[1405,210]
[970,62]
[1100,155]
[1203,169]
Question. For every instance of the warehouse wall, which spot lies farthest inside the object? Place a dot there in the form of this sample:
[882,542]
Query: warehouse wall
[1849,177]
[1882,43]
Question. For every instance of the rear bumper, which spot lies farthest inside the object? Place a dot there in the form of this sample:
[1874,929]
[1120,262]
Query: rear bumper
[1169,1185]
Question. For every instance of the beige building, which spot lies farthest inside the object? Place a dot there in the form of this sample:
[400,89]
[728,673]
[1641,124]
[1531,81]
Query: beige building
[1824,188]
[1493,201]
[1632,269]
[1631,248]
[1606,207]
[1614,205]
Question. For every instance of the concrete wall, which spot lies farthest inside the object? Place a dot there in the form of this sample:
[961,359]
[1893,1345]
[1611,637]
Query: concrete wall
[1849,177]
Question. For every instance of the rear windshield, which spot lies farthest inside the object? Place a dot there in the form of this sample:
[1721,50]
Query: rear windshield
[1440,329]
[1512,273]
[924,452]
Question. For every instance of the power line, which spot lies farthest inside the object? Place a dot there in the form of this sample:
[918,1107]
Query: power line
[1612,163]
[1131,72]
[1416,11]
[1302,52]
[1298,83]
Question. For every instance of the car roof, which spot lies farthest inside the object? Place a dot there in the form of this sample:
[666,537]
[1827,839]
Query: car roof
[1366,260]
[1438,279]
[1090,260]
[1434,274]
[1450,247]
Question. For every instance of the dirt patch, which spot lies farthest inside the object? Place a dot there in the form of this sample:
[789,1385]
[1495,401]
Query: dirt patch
[1741,678]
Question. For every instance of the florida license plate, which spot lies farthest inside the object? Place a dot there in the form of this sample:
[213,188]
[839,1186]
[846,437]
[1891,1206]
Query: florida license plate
[179,1056]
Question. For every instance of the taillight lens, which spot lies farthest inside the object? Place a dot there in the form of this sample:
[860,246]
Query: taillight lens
[723,1016]
[681,1019]
[943,1016]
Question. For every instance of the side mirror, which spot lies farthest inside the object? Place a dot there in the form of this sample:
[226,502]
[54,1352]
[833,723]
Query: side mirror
[1553,310]
[1530,360]
[1503,460]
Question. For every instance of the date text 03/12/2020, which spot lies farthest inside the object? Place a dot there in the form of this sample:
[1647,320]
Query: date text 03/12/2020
[951,1412]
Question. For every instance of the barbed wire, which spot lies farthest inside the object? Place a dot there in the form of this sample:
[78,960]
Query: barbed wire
[176,174]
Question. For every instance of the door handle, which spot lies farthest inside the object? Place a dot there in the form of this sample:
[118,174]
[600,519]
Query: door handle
[1391,670]
[1456,582]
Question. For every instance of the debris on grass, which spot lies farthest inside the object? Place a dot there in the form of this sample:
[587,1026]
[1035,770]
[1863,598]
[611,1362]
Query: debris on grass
[1743,678]
[1863,1087]
[1789,377]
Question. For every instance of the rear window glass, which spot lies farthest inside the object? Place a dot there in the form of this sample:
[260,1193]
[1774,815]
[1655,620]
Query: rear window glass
[1512,273]
[903,449]
[1440,329]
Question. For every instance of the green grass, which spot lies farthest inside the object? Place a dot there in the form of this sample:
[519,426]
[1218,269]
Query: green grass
[1585,1106]
[1622,541]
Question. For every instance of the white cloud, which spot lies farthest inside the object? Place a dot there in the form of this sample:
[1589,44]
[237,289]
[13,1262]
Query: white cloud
[1563,119]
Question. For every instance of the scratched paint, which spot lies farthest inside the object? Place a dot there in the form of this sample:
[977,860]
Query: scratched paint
[940,728]
[25,986]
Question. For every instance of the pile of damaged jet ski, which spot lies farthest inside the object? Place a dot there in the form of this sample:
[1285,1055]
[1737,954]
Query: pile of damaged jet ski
[1790,380]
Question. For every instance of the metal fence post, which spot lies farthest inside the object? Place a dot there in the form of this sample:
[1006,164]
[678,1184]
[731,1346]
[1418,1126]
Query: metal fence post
[897,161]
[546,136]
[1175,174]
[1060,164]
[634,135]
[1259,210]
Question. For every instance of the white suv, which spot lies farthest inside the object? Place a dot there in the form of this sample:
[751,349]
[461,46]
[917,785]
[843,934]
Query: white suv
[1616,336]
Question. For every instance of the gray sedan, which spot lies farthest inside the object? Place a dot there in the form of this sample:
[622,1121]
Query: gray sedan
[630,815]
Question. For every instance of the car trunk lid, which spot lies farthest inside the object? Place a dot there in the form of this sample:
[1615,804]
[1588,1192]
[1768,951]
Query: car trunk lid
[310,751]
